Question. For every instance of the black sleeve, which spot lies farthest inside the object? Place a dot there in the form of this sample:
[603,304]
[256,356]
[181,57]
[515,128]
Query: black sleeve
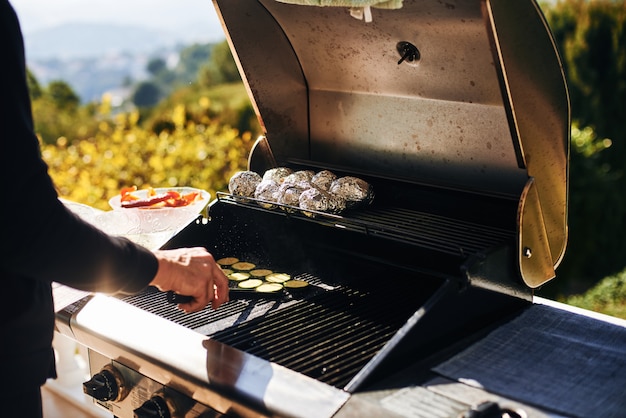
[41,239]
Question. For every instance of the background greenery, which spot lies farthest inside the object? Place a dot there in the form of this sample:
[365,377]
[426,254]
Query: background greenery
[591,37]
[194,125]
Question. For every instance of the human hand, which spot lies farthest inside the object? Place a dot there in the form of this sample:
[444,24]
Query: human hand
[192,272]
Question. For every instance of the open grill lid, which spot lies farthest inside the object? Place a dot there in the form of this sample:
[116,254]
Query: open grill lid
[466,95]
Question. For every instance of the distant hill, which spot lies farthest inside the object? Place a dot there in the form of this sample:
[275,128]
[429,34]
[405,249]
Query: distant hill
[97,58]
[73,40]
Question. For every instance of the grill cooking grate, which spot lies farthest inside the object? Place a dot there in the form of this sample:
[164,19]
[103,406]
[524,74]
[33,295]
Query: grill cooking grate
[443,234]
[326,332]
[329,337]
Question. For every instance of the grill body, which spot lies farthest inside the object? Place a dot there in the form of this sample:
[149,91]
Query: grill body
[466,147]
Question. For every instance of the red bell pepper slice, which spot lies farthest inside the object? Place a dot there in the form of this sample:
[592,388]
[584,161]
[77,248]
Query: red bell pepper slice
[149,201]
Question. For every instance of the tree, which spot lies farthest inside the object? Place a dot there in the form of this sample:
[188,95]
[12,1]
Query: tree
[62,95]
[221,67]
[156,66]
[591,36]
[146,94]
[222,59]
[191,60]
[34,88]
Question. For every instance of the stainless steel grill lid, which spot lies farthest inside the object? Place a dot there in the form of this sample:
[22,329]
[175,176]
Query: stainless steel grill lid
[467,95]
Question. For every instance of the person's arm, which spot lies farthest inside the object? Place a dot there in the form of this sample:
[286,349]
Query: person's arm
[41,239]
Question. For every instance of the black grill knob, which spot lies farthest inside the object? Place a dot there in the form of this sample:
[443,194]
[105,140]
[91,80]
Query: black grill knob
[102,386]
[155,407]
[107,385]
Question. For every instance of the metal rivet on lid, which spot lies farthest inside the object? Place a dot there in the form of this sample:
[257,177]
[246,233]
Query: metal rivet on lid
[528,252]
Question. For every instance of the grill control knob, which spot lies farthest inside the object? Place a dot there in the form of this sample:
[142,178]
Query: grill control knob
[106,385]
[155,407]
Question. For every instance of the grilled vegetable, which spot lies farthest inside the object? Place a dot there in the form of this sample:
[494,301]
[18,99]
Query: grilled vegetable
[269,287]
[227,261]
[250,283]
[277,277]
[260,272]
[242,265]
[295,284]
[239,276]
[227,272]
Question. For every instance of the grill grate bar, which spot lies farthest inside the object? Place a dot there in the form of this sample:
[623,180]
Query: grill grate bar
[445,234]
[299,314]
[329,337]
[154,301]
[327,332]
[350,349]
[311,338]
[448,235]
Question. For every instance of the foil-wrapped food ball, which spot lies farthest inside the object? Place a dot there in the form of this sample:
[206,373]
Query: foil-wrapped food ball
[299,176]
[277,174]
[323,179]
[315,199]
[353,190]
[267,193]
[289,194]
[244,183]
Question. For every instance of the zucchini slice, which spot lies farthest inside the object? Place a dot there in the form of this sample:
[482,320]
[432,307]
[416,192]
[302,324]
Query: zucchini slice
[277,277]
[242,265]
[239,276]
[269,287]
[228,272]
[250,283]
[295,284]
[227,261]
[260,272]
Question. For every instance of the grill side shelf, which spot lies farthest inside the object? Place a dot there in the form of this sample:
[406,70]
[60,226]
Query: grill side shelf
[443,234]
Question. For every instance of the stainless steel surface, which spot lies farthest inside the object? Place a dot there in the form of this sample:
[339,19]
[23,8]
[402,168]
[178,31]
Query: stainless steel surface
[484,109]
[358,108]
[199,367]
[466,146]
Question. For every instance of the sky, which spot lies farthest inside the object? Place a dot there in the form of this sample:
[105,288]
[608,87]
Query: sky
[35,15]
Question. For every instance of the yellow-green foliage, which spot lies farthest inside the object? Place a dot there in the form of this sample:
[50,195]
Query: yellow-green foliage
[608,296]
[198,152]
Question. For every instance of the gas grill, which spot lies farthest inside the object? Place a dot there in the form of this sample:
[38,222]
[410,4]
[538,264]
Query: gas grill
[457,114]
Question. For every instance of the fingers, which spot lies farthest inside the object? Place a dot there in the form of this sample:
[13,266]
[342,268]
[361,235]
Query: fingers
[192,272]
[220,287]
[212,288]
[194,306]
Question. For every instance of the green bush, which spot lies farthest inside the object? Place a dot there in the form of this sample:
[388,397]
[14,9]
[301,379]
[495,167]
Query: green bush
[591,36]
[608,296]
[197,152]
